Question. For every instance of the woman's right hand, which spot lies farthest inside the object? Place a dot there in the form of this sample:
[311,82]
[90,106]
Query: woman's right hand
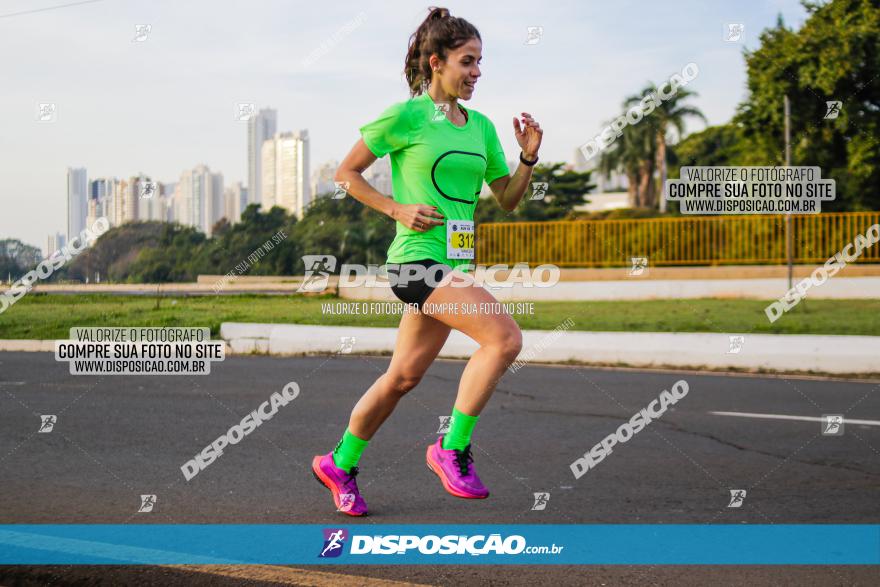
[418,217]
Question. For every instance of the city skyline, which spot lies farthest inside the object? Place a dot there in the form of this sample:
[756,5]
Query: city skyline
[200,197]
[182,108]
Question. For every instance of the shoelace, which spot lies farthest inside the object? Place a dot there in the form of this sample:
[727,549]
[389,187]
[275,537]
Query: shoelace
[463,459]
[351,478]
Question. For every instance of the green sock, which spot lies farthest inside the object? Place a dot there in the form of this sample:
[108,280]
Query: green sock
[459,435]
[348,452]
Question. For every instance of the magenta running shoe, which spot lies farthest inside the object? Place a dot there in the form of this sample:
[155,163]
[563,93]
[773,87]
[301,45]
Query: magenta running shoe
[341,484]
[456,471]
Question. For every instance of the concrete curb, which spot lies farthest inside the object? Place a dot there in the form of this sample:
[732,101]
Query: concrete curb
[819,353]
[759,352]
[643,289]
[28,346]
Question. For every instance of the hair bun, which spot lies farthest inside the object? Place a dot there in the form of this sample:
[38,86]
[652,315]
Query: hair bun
[438,34]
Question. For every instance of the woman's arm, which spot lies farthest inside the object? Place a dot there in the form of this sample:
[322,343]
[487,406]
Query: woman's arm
[418,217]
[350,171]
[510,190]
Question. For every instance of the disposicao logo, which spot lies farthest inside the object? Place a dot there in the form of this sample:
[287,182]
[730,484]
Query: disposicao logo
[334,541]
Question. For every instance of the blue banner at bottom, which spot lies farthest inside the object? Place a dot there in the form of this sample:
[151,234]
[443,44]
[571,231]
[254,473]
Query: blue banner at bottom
[523,544]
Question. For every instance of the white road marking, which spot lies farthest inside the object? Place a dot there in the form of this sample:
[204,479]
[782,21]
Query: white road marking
[801,418]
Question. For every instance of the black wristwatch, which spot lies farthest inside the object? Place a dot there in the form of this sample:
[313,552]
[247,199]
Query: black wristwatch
[529,163]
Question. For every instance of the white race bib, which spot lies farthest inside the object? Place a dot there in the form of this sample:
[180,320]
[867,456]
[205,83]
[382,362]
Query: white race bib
[460,239]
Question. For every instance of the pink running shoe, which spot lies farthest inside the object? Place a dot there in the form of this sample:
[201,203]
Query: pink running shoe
[456,471]
[341,484]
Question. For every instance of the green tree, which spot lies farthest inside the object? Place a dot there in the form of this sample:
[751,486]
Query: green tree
[668,114]
[10,270]
[114,252]
[833,57]
[172,257]
[716,145]
[634,154]
[566,189]
[345,228]
[17,258]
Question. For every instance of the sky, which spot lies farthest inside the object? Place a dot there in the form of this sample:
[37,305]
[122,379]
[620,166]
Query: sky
[168,103]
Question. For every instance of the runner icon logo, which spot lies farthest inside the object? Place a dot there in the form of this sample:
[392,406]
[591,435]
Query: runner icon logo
[639,266]
[734,32]
[141,32]
[534,34]
[245,111]
[147,503]
[334,540]
[832,424]
[736,344]
[341,189]
[445,423]
[318,270]
[346,501]
[47,112]
[832,109]
[47,423]
[346,344]
[148,189]
[440,110]
[539,190]
[541,500]
[737,496]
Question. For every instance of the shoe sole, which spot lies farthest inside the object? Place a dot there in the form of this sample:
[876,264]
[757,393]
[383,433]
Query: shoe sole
[322,479]
[449,489]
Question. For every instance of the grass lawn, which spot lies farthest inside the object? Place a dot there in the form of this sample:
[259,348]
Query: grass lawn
[50,317]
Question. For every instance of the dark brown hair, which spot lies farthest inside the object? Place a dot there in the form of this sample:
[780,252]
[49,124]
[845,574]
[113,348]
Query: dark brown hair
[439,33]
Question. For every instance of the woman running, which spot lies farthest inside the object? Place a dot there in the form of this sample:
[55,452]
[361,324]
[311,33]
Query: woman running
[440,154]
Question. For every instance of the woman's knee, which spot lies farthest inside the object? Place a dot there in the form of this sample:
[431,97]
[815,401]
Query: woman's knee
[508,344]
[401,383]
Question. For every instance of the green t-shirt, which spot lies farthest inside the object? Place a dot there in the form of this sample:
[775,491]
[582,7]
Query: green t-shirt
[437,163]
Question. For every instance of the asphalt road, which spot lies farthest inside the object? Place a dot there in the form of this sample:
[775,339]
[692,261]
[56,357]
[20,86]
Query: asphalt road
[117,437]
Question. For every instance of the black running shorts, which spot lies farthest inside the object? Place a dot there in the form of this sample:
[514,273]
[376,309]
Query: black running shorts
[416,291]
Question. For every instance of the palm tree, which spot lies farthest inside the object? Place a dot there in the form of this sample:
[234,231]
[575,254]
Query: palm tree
[669,113]
[633,153]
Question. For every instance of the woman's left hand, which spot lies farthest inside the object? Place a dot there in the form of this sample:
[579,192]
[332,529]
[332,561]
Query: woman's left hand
[528,135]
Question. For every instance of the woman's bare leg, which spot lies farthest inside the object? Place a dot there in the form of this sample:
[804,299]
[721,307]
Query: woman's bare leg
[498,335]
[419,339]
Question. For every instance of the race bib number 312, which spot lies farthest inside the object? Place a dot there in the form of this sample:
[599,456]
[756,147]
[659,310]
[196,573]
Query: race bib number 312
[460,239]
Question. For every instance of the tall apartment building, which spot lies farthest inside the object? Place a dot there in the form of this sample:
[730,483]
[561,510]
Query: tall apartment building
[54,243]
[168,192]
[286,182]
[107,198]
[261,127]
[137,199]
[97,200]
[199,198]
[235,201]
[322,179]
[117,202]
[77,204]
